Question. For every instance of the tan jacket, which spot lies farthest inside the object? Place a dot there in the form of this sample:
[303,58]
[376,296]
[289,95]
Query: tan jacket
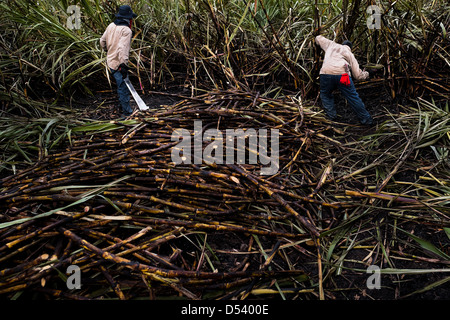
[337,56]
[117,41]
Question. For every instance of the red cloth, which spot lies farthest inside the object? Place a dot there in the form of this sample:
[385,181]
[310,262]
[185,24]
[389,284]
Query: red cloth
[345,79]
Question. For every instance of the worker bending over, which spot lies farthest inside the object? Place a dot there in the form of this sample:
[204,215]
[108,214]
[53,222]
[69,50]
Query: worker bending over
[338,69]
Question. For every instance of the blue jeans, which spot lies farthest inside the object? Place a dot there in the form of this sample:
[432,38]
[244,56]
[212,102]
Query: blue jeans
[124,93]
[329,83]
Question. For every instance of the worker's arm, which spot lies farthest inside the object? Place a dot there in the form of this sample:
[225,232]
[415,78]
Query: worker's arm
[323,42]
[103,40]
[125,46]
[357,73]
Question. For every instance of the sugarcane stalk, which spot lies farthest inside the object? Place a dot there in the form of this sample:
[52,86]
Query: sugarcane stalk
[23,266]
[383,196]
[11,244]
[305,223]
[114,285]
[118,243]
[214,225]
[146,269]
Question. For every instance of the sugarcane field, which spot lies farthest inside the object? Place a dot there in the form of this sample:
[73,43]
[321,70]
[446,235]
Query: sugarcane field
[212,150]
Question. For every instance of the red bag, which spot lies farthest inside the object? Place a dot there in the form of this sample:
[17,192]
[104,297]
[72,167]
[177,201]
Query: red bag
[345,79]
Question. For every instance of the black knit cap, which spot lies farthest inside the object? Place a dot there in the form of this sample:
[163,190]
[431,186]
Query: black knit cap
[347,43]
[126,12]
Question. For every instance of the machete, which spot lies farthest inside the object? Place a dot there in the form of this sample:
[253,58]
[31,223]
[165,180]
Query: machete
[141,104]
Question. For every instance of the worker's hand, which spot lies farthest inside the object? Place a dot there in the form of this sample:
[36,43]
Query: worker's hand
[365,74]
[123,69]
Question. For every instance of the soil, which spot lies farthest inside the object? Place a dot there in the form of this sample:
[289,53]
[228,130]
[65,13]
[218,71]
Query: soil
[108,106]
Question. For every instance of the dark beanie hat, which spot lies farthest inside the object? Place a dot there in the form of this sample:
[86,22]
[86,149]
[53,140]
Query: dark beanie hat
[126,12]
[347,43]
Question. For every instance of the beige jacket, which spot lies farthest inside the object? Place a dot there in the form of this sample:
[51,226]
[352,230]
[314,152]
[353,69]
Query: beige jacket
[117,41]
[337,56]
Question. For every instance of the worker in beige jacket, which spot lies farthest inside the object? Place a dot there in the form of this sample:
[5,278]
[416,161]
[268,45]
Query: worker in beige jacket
[117,41]
[338,69]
